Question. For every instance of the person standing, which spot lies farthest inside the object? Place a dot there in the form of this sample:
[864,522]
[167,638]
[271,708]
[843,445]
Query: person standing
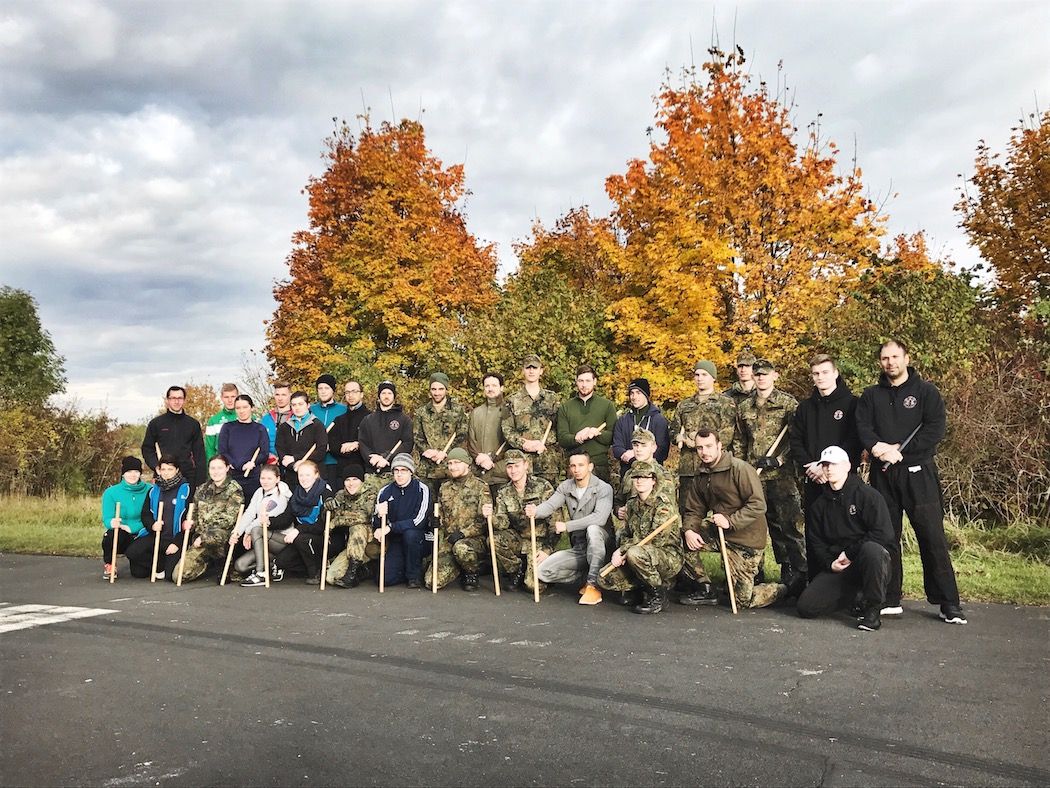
[440,426]
[245,445]
[227,395]
[277,415]
[640,414]
[130,492]
[485,435]
[900,421]
[745,378]
[529,415]
[385,432]
[327,410]
[176,434]
[586,421]
[343,437]
[300,438]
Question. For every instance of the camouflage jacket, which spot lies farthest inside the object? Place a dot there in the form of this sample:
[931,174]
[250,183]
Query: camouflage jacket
[736,393]
[461,501]
[644,517]
[626,491]
[215,511]
[759,427]
[713,412]
[525,418]
[350,510]
[509,511]
[432,429]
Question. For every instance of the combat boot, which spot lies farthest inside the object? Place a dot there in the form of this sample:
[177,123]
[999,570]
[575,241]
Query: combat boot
[516,580]
[702,594]
[652,601]
[349,579]
[470,581]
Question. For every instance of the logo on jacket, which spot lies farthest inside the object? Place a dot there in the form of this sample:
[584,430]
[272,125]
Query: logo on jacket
[910,402]
[853,508]
[395,425]
[837,415]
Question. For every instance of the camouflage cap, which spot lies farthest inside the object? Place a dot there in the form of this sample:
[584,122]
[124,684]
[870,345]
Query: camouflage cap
[513,457]
[642,435]
[644,468]
[458,454]
[745,358]
[532,360]
[763,365]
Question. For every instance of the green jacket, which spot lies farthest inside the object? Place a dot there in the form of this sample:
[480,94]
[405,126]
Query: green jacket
[732,488]
[485,436]
[461,501]
[130,497]
[575,414]
[211,432]
[350,510]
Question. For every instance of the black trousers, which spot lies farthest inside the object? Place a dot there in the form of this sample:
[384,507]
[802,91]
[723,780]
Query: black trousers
[124,539]
[831,591]
[140,556]
[302,555]
[917,492]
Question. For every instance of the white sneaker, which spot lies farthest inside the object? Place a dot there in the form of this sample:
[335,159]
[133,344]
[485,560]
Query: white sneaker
[893,611]
[158,576]
[254,580]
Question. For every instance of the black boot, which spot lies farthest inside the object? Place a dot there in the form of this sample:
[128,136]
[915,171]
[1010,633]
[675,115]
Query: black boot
[470,581]
[517,580]
[702,594]
[872,620]
[415,581]
[652,601]
[630,598]
[351,578]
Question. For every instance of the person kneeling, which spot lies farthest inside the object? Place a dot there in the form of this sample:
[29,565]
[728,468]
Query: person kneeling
[850,535]
[269,506]
[403,506]
[164,523]
[650,567]
[463,544]
[306,534]
[352,508]
[216,505]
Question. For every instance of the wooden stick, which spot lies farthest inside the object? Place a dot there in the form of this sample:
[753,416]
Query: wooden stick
[546,432]
[185,543]
[535,563]
[729,572]
[324,548]
[254,457]
[492,551]
[499,451]
[449,444]
[305,457]
[434,559]
[382,553]
[157,447]
[266,549]
[113,560]
[156,541]
[229,553]
[773,448]
[652,535]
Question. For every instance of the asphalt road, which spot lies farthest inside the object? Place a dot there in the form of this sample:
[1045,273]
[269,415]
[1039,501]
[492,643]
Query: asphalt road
[229,686]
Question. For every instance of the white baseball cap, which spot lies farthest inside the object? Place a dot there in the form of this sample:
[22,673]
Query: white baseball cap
[833,455]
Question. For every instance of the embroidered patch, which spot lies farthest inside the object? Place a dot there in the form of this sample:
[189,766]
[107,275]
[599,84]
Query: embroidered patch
[910,402]
[837,415]
[853,508]
[395,425]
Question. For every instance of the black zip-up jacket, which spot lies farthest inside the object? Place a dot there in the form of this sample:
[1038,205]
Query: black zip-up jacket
[825,421]
[179,435]
[345,430]
[298,443]
[889,414]
[841,521]
[381,430]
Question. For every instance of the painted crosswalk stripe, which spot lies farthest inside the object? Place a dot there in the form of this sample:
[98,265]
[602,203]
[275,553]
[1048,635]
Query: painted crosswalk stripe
[15,617]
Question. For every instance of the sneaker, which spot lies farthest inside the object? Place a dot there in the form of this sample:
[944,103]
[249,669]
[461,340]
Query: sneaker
[591,595]
[108,570]
[254,580]
[158,576]
[952,614]
[893,610]
[276,575]
[871,620]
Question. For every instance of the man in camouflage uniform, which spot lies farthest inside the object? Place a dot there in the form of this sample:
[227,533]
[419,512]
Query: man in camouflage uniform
[762,417]
[510,524]
[643,443]
[654,566]
[216,506]
[352,508]
[526,416]
[726,494]
[745,378]
[464,543]
[436,422]
[705,410]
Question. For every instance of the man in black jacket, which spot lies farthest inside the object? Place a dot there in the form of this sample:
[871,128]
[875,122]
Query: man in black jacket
[177,434]
[849,540]
[385,432]
[903,406]
[342,440]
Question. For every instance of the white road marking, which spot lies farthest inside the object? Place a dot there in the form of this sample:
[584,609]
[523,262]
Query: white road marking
[15,617]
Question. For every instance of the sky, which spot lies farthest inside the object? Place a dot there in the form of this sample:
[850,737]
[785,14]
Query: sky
[153,154]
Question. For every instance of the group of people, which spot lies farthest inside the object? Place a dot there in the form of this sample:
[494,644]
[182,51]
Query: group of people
[450,493]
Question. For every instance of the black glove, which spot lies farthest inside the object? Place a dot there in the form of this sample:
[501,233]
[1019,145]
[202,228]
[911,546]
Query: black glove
[767,463]
[454,537]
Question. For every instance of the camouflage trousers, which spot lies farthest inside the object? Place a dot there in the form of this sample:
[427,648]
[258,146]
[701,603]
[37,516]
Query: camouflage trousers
[655,567]
[512,548]
[743,563]
[197,559]
[785,520]
[465,555]
[360,542]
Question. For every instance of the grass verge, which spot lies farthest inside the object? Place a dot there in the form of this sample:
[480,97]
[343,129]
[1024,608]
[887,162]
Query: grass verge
[987,570]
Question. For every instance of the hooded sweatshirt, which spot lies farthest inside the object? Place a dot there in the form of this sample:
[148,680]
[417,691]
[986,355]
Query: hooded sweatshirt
[841,521]
[381,430]
[275,503]
[821,421]
[889,414]
[649,418]
[327,413]
[131,497]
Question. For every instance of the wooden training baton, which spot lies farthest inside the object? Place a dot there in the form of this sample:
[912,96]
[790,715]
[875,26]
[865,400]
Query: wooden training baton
[535,563]
[113,560]
[729,572]
[449,444]
[156,541]
[324,548]
[773,448]
[185,543]
[382,553]
[266,549]
[652,535]
[492,551]
[229,553]
[390,453]
[434,559]
[546,432]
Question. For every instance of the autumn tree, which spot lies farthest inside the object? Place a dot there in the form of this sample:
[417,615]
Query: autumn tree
[202,401]
[32,370]
[735,235]
[387,270]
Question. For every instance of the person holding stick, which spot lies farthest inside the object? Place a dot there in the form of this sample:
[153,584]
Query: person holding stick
[485,435]
[384,432]
[643,449]
[902,403]
[440,425]
[528,419]
[404,505]
[176,434]
[761,440]
[162,514]
[588,501]
[306,533]
[463,546]
[343,438]
[327,409]
[122,513]
[352,508]
[245,443]
[510,524]
[639,564]
[218,503]
[586,422]
[727,495]
[301,438]
[269,505]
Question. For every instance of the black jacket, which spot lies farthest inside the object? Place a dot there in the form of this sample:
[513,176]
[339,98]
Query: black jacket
[889,414]
[180,436]
[825,421]
[345,430]
[381,430]
[298,443]
[843,520]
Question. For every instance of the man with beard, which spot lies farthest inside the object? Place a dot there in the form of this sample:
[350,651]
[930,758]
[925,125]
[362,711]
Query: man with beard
[384,432]
[485,435]
[586,421]
[440,423]
[343,437]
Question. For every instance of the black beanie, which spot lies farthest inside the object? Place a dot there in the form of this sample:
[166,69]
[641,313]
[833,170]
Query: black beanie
[329,379]
[386,384]
[642,385]
[130,464]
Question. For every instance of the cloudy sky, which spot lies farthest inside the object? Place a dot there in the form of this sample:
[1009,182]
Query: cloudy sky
[152,154]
